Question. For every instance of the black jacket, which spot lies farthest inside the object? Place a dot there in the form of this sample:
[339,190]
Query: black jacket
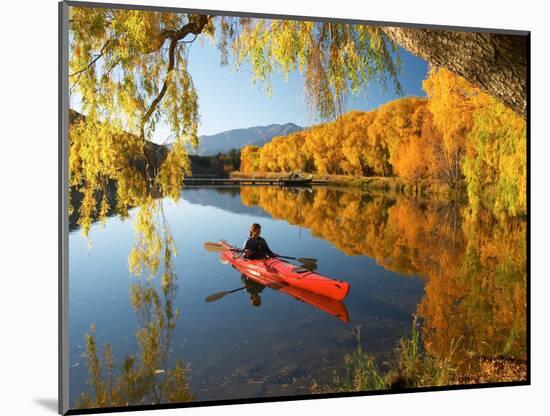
[258,248]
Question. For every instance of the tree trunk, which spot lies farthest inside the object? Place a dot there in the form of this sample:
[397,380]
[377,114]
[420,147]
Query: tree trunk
[496,63]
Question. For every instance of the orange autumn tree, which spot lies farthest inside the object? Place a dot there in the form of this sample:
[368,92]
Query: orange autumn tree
[376,143]
[453,103]
[356,147]
[289,152]
[268,162]
[458,135]
[250,159]
[481,140]
[324,143]
[410,158]
[400,122]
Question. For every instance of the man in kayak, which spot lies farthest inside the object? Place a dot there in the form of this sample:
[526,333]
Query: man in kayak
[256,248]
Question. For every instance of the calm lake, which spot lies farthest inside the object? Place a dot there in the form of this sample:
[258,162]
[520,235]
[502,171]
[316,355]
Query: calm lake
[142,282]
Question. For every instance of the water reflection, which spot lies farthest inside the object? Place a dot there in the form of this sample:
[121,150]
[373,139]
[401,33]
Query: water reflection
[474,263]
[254,289]
[149,376]
[472,306]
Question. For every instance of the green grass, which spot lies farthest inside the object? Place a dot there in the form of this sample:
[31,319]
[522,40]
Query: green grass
[410,368]
[413,367]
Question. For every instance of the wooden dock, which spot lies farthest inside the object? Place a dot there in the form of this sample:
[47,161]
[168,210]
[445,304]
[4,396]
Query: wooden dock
[191,181]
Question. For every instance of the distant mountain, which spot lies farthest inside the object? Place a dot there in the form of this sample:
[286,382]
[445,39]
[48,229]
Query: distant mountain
[228,199]
[238,138]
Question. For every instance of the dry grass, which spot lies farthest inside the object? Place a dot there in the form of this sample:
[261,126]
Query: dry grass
[412,367]
[495,370]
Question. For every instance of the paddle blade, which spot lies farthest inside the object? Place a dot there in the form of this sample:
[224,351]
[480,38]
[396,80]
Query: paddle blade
[306,260]
[216,296]
[306,267]
[300,270]
[214,247]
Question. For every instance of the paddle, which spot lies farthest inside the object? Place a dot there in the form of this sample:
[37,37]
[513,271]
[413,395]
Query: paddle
[217,247]
[306,267]
[217,296]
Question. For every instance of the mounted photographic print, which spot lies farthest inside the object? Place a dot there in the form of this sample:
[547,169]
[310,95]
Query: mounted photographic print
[259,208]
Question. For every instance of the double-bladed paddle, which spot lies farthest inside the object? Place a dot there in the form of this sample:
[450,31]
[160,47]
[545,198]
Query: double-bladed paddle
[308,264]
[217,296]
[217,247]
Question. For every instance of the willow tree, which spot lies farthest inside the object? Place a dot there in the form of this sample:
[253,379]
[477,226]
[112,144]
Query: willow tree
[129,71]
[334,58]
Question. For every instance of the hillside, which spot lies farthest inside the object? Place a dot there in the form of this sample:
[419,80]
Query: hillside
[238,138]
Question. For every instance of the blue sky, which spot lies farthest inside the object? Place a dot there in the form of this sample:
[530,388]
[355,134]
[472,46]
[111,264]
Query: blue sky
[229,100]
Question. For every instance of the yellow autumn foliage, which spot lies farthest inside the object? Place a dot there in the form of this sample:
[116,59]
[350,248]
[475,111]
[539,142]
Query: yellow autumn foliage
[458,134]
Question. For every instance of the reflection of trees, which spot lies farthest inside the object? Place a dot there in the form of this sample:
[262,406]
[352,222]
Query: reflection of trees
[145,377]
[392,231]
[474,263]
[481,300]
[153,241]
[108,176]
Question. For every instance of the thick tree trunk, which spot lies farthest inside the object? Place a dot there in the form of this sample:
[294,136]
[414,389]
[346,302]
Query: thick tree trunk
[494,62]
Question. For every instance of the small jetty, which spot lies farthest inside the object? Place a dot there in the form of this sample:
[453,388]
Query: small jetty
[202,181]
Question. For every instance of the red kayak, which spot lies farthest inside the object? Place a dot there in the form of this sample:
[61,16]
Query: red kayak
[275,269]
[331,306]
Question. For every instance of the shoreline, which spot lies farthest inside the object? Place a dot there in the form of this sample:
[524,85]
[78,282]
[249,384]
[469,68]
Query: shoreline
[393,184]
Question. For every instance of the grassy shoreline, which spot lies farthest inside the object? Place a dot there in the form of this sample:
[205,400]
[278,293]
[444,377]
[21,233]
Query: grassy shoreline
[413,367]
[374,183]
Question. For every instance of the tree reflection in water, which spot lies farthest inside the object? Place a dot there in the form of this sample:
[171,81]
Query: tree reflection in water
[147,377]
[474,262]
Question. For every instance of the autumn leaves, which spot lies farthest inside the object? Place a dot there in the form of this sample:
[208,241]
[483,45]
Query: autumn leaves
[458,135]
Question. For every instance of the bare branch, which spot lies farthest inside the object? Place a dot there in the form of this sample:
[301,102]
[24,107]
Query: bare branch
[195,26]
[188,41]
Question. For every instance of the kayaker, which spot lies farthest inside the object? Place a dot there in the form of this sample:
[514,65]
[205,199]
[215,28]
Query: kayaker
[256,247]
